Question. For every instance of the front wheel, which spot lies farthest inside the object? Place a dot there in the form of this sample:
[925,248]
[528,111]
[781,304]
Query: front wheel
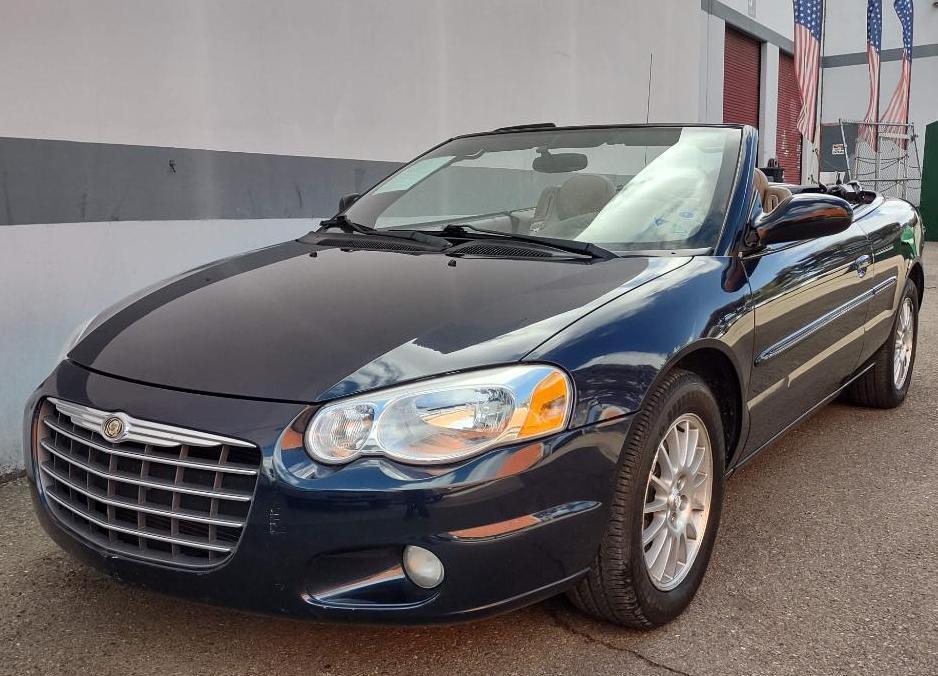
[665,510]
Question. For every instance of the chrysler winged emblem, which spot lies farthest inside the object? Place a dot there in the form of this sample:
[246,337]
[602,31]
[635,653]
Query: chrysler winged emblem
[113,428]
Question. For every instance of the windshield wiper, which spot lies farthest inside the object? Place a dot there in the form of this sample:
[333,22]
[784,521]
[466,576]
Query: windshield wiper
[583,248]
[345,224]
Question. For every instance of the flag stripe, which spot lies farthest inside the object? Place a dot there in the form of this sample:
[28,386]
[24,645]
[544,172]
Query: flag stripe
[808,62]
[874,35]
[897,112]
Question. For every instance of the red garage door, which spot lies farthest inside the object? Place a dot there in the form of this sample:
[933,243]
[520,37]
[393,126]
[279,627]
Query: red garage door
[741,65]
[788,138]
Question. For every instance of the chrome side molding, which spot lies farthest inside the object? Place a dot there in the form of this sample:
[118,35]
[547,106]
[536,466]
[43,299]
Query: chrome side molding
[809,330]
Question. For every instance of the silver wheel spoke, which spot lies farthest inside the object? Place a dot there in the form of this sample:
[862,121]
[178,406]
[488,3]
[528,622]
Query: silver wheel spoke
[660,551]
[682,448]
[670,565]
[660,484]
[667,469]
[693,438]
[659,504]
[699,458]
[690,531]
[654,552]
[671,451]
[682,549]
[652,531]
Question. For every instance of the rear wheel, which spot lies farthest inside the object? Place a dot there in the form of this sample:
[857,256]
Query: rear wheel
[665,511]
[887,383]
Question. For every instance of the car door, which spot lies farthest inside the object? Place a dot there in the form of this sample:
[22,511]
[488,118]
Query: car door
[810,303]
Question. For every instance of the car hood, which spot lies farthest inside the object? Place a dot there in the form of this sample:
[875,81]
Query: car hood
[298,322]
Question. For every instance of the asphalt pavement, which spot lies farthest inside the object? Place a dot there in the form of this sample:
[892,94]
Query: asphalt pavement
[826,563]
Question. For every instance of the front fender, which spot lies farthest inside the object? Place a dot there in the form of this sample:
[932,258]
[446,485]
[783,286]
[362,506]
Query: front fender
[617,352]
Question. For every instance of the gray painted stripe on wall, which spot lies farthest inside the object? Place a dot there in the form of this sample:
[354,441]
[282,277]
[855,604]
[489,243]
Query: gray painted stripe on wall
[858,58]
[45,181]
[747,24]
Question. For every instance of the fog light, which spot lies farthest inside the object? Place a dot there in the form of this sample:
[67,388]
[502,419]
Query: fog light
[422,567]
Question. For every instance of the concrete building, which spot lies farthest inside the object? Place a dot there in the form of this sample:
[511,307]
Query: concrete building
[140,138]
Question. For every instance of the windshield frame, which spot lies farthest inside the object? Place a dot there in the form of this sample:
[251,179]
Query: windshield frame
[727,184]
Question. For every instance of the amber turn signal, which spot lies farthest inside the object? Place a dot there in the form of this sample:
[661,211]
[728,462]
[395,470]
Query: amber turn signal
[550,402]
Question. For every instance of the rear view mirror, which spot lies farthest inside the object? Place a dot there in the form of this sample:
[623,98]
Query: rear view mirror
[348,200]
[803,216]
[559,163]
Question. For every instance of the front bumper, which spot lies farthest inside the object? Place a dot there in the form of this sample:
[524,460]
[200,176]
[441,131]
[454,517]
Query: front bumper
[512,526]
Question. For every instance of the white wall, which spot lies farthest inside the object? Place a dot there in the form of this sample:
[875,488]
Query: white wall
[369,79]
[768,103]
[710,68]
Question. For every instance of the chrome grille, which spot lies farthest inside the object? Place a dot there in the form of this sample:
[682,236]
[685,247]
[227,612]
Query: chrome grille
[163,493]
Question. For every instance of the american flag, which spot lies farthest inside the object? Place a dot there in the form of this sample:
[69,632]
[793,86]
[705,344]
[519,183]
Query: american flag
[808,17]
[897,111]
[874,39]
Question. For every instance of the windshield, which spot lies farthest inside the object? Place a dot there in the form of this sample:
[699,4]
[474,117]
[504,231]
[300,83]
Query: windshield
[640,188]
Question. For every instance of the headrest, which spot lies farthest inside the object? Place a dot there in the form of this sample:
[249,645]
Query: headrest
[583,194]
[760,181]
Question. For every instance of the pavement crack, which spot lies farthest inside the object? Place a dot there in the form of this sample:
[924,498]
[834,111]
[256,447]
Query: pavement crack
[566,626]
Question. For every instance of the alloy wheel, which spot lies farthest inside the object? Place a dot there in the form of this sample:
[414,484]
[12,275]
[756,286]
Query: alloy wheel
[677,501]
[905,338]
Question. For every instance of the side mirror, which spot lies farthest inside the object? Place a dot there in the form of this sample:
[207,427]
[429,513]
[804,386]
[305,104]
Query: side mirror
[348,200]
[802,216]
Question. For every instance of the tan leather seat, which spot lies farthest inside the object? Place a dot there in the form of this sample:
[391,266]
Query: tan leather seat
[566,210]
[544,205]
[770,194]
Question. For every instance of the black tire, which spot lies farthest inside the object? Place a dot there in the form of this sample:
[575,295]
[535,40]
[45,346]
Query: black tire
[618,587]
[877,388]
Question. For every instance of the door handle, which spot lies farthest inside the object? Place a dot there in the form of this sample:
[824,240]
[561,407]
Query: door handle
[861,264]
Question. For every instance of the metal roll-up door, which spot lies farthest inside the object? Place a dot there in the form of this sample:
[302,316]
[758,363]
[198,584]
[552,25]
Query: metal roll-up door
[741,75]
[787,136]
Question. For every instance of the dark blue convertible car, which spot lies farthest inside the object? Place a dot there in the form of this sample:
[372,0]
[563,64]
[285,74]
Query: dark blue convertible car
[523,364]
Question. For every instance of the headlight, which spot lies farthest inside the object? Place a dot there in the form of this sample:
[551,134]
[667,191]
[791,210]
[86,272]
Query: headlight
[444,419]
[77,334]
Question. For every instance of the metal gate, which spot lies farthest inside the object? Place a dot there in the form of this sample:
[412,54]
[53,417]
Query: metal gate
[891,164]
